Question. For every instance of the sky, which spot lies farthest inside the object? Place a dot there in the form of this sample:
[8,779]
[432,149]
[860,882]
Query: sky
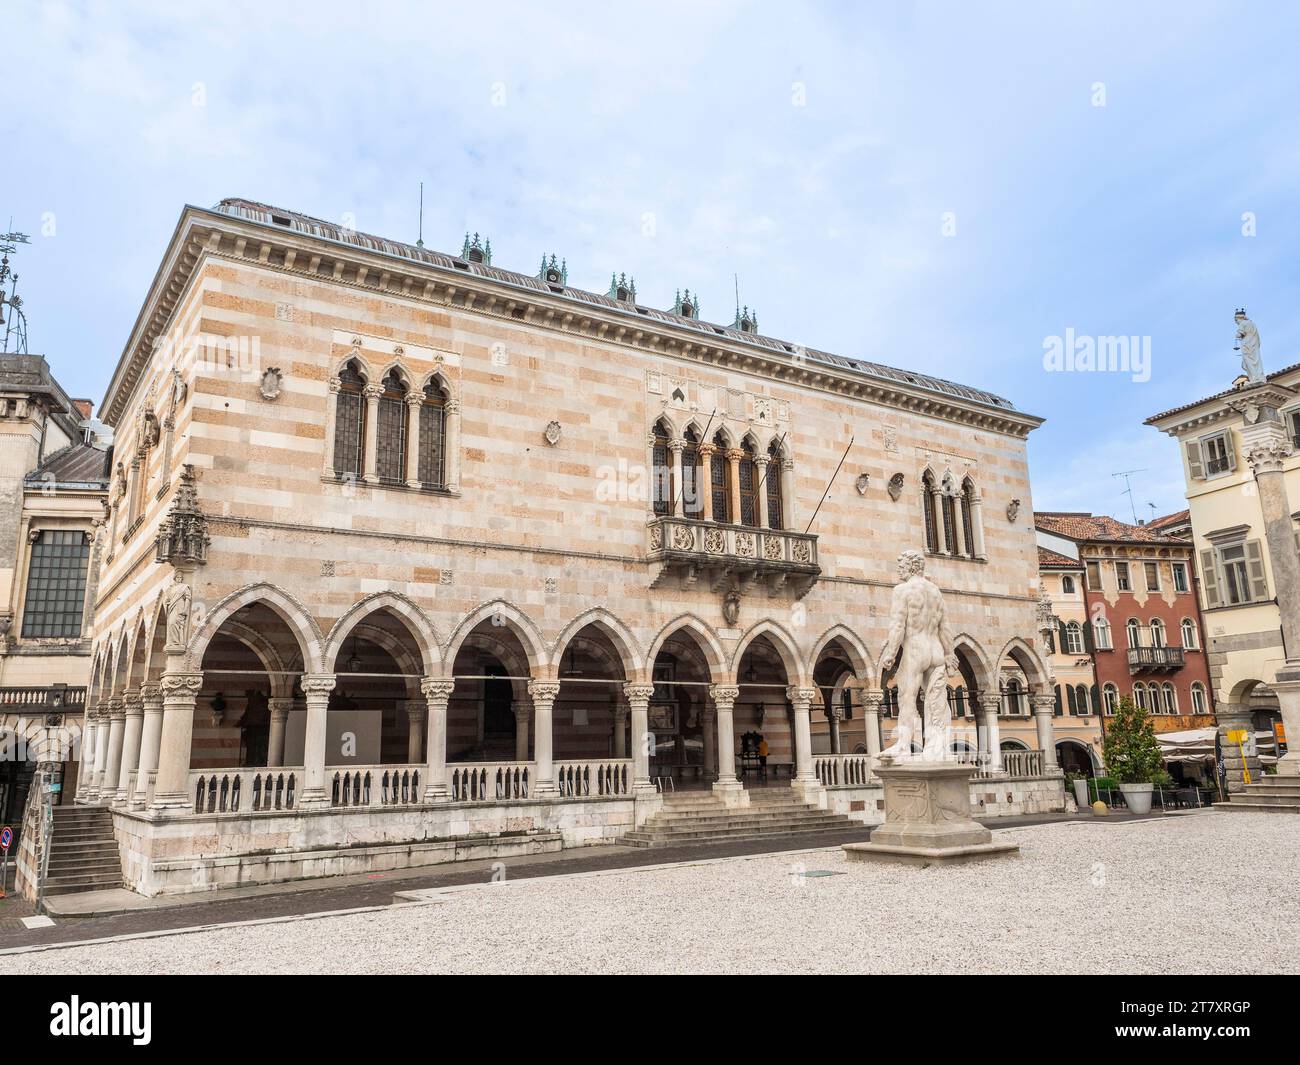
[943,186]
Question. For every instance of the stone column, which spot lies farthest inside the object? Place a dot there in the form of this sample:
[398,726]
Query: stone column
[620,730]
[801,700]
[705,474]
[724,702]
[543,693]
[113,762]
[708,726]
[133,709]
[1044,708]
[676,447]
[370,456]
[317,688]
[1267,445]
[451,444]
[89,725]
[437,693]
[331,423]
[638,700]
[734,456]
[523,712]
[763,470]
[415,714]
[280,709]
[150,735]
[835,715]
[101,749]
[180,692]
[989,707]
[977,524]
[872,700]
[414,401]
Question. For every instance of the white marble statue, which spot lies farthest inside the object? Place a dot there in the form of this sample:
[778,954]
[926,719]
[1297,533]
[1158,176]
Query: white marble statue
[1248,344]
[921,641]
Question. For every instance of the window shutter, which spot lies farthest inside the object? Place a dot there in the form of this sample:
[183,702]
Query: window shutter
[1210,579]
[1194,464]
[1071,701]
[1230,449]
[1255,568]
[1096,700]
[1062,637]
[1089,644]
[1057,710]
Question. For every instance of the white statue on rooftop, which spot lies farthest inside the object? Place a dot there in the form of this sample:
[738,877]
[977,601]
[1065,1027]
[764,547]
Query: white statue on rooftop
[921,641]
[1248,345]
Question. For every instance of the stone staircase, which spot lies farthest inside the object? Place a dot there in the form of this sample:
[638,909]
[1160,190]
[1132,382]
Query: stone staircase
[1273,794]
[84,854]
[689,818]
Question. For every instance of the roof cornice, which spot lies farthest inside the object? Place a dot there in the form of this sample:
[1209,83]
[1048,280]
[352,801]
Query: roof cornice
[204,233]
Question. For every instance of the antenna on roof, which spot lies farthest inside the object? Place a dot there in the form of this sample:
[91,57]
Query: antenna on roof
[1128,489]
[736,278]
[419,240]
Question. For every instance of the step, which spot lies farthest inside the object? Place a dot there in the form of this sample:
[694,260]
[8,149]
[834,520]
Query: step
[1266,800]
[746,832]
[636,840]
[754,822]
[1262,807]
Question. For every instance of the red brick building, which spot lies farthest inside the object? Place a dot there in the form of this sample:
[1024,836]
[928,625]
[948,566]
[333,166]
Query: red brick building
[1144,627]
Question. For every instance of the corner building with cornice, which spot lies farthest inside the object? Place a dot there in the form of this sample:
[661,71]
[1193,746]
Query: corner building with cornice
[412,558]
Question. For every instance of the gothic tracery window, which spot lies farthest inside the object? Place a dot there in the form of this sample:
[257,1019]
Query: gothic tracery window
[775,504]
[692,494]
[432,467]
[749,476]
[968,516]
[720,480]
[350,422]
[927,510]
[662,472]
[390,441]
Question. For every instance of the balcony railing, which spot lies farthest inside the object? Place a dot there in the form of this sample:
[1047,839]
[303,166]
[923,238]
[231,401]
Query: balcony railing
[1155,659]
[690,549]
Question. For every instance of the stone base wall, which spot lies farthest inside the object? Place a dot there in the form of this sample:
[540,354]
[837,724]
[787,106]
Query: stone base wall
[177,855]
[1004,797]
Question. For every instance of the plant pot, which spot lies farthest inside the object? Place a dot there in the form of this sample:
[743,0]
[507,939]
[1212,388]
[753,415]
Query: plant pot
[1081,794]
[1137,797]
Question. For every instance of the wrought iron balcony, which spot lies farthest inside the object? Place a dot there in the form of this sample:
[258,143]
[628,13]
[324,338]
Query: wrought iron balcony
[1155,659]
[727,554]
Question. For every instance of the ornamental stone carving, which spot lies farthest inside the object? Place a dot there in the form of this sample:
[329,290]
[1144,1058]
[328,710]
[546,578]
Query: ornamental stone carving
[772,548]
[683,538]
[800,551]
[745,545]
[715,541]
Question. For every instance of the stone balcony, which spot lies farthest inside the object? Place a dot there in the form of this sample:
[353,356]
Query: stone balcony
[723,555]
[1155,659]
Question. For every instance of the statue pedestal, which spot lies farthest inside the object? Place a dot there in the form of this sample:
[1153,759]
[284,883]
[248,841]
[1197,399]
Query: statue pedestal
[927,818]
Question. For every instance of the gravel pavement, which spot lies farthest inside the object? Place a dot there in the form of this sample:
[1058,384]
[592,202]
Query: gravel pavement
[1212,893]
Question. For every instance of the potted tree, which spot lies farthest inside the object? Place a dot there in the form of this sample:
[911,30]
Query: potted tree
[1133,754]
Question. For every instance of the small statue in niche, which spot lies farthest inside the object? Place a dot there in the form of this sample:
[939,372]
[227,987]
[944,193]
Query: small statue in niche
[178,615]
[731,607]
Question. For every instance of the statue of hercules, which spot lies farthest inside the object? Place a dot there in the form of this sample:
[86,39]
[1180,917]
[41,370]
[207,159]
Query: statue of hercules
[918,628]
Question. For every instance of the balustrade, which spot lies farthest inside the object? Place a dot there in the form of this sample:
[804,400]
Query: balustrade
[612,776]
[375,785]
[490,781]
[222,791]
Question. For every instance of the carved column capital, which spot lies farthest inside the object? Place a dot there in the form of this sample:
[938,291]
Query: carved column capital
[151,696]
[1268,456]
[639,693]
[1043,704]
[133,703]
[437,688]
[543,690]
[181,685]
[872,700]
[802,698]
[724,696]
[318,684]
[280,707]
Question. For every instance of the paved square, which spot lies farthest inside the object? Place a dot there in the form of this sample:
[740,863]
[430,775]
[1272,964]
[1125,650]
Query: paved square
[1204,893]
